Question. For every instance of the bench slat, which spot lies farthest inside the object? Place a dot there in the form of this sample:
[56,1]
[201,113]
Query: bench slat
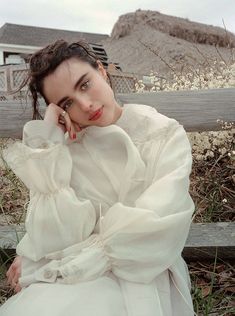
[205,240]
[196,110]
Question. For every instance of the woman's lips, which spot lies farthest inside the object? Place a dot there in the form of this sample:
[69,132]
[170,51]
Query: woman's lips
[96,115]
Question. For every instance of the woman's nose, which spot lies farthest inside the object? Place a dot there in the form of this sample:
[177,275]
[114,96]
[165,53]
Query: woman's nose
[84,103]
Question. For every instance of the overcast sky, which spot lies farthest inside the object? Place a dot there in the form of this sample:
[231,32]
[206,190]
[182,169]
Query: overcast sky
[99,16]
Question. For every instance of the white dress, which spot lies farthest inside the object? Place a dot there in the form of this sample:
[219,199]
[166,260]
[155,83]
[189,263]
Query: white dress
[108,217]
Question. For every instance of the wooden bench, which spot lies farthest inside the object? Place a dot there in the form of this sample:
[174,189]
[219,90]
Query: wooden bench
[197,111]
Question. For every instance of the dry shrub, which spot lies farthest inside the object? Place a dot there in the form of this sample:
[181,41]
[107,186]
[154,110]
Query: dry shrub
[194,32]
[198,36]
[212,184]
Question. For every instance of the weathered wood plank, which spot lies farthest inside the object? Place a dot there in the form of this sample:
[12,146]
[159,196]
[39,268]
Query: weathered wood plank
[204,240]
[10,235]
[196,110]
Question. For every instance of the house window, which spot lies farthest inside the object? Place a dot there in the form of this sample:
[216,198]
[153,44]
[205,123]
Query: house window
[13,58]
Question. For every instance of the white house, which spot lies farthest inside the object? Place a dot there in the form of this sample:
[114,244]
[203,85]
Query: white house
[17,41]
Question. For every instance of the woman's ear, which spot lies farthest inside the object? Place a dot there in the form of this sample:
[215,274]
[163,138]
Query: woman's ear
[101,69]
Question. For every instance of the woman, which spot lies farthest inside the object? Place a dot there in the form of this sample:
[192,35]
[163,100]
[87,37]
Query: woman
[109,209]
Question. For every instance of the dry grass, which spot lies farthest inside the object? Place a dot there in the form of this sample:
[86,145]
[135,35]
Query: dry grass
[213,288]
[212,189]
[13,193]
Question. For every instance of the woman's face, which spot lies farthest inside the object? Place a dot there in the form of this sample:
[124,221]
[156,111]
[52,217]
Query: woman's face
[83,93]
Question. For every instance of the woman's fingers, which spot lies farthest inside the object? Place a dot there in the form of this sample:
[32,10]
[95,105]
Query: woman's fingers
[17,288]
[11,271]
[13,274]
[52,114]
[60,117]
[76,127]
[15,283]
[15,278]
[64,116]
[10,275]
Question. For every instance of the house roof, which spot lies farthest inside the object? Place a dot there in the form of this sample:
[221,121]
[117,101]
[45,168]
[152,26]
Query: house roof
[39,36]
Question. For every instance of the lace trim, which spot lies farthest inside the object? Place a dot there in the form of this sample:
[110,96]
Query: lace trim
[139,130]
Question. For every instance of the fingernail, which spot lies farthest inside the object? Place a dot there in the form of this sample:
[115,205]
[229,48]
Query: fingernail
[74,136]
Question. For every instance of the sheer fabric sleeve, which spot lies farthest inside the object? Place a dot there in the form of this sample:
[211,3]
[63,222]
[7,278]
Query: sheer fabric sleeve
[138,243]
[43,162]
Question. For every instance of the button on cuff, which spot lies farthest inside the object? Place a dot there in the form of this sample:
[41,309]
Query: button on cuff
[46,275]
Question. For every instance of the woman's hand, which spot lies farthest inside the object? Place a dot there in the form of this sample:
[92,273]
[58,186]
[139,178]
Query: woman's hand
[13,274]
[58,116]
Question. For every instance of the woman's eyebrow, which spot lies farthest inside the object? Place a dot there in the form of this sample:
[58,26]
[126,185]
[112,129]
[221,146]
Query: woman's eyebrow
[79,81]
[75,87]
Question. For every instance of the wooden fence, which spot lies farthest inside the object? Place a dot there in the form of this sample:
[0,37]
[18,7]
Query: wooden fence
[197,111]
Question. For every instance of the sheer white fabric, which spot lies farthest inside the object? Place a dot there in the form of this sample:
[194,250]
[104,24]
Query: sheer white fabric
[109,208]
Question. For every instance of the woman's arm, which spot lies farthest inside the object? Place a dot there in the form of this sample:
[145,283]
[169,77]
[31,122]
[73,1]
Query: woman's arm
[44,164]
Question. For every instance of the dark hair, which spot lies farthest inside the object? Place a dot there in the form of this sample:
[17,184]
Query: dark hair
[46,60]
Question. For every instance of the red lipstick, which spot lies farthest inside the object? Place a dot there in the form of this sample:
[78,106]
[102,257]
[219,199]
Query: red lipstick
[96,115]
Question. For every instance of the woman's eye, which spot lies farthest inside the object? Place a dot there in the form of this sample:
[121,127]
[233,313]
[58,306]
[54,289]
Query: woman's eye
[85,85]
[67,104]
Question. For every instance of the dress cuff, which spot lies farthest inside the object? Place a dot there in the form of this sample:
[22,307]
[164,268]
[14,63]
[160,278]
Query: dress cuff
[41,134]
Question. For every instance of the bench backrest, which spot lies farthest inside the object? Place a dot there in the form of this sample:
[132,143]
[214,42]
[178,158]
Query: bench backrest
[197,110]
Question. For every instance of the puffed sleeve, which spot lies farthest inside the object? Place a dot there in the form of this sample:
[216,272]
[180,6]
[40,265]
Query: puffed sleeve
[138,243]
[44,164]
